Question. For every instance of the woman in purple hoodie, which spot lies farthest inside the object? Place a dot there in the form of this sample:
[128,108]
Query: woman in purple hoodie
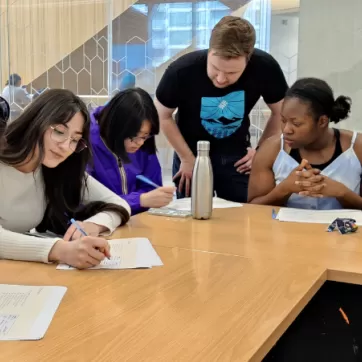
[123,143]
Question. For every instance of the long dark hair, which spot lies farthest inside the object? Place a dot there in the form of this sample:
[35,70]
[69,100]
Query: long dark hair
[320,98]
[65,184]
[4,116]
[122,118]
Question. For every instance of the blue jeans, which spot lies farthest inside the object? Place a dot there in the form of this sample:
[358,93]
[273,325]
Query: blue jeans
[228,183]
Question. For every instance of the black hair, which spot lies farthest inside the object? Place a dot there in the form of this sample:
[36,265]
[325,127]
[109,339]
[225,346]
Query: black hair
[13,79]
[122,118]
[4,117]
[319,96]
[64,185]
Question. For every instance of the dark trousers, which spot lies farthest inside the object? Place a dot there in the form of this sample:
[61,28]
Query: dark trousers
[228,184]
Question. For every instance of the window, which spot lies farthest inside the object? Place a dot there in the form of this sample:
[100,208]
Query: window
[210,5]
[177,5]
[158,20]
[257,19]
[180,38]
[158,39]
[202,38]
[181,19]
[217,15]
[201,19]
[142,8]
[158,53]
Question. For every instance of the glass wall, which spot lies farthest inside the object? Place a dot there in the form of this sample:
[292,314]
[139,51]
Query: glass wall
[96,48]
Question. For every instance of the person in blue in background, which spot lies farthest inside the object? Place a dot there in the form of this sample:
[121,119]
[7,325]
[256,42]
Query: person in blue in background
[123,142]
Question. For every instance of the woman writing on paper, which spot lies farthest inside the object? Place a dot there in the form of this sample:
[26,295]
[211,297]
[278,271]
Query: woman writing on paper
[123,142]
[43,157]
[311,166]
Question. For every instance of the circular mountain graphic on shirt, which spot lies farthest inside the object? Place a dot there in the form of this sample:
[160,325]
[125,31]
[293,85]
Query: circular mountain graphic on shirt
[222,116]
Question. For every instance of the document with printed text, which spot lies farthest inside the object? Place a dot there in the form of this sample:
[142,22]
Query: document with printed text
[129,253]
[27,311]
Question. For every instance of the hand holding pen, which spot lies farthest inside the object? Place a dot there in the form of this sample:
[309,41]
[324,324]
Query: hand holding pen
[83,253]
[77,225]
[160,197]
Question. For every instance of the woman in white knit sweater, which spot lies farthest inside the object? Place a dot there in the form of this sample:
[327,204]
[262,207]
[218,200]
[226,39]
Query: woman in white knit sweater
[43,184]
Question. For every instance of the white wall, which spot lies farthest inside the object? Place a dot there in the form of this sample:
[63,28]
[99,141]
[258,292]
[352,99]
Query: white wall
[284,43]
[330,47]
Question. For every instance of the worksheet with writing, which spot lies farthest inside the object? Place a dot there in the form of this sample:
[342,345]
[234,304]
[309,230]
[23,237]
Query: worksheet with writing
[128,253]
[26,311]
[317,216]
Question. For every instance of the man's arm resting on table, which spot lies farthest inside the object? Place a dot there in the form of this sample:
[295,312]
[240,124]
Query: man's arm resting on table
[172,132]
[273,126]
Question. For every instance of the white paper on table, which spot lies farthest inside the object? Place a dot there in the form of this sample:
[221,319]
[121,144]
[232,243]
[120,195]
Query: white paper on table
[185,204]
[128,253]
[317,216]
[27,311]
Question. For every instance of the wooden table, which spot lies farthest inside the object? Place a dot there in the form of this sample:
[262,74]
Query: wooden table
[228,290]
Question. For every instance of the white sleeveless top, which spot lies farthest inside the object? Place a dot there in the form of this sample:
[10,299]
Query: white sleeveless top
[346,169]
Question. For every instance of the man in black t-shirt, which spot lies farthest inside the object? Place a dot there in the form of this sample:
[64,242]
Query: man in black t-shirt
[214,91]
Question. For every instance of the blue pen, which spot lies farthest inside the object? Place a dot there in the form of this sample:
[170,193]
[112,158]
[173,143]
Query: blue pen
[83,232]
[78,227]
[147,181]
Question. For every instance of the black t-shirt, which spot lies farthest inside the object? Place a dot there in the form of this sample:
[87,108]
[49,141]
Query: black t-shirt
[219,115]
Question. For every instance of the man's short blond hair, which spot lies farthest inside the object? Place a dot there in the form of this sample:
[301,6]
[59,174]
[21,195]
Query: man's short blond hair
[233,37]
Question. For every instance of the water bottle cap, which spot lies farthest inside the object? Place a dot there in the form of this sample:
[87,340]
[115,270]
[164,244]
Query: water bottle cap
[203,146]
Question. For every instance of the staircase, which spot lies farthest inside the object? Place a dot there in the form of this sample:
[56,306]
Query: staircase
[37,34]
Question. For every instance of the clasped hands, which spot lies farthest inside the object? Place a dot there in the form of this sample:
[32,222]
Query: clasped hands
[308,181]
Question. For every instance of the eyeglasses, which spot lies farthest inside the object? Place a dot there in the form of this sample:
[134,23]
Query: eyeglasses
[140,139]
[4,110]
[60,134]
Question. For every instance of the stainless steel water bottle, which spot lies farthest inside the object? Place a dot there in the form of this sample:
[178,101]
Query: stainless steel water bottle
[202,186]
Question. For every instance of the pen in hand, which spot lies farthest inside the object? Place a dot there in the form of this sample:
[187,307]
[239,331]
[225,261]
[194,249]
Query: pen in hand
[147,181]
[85,234]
